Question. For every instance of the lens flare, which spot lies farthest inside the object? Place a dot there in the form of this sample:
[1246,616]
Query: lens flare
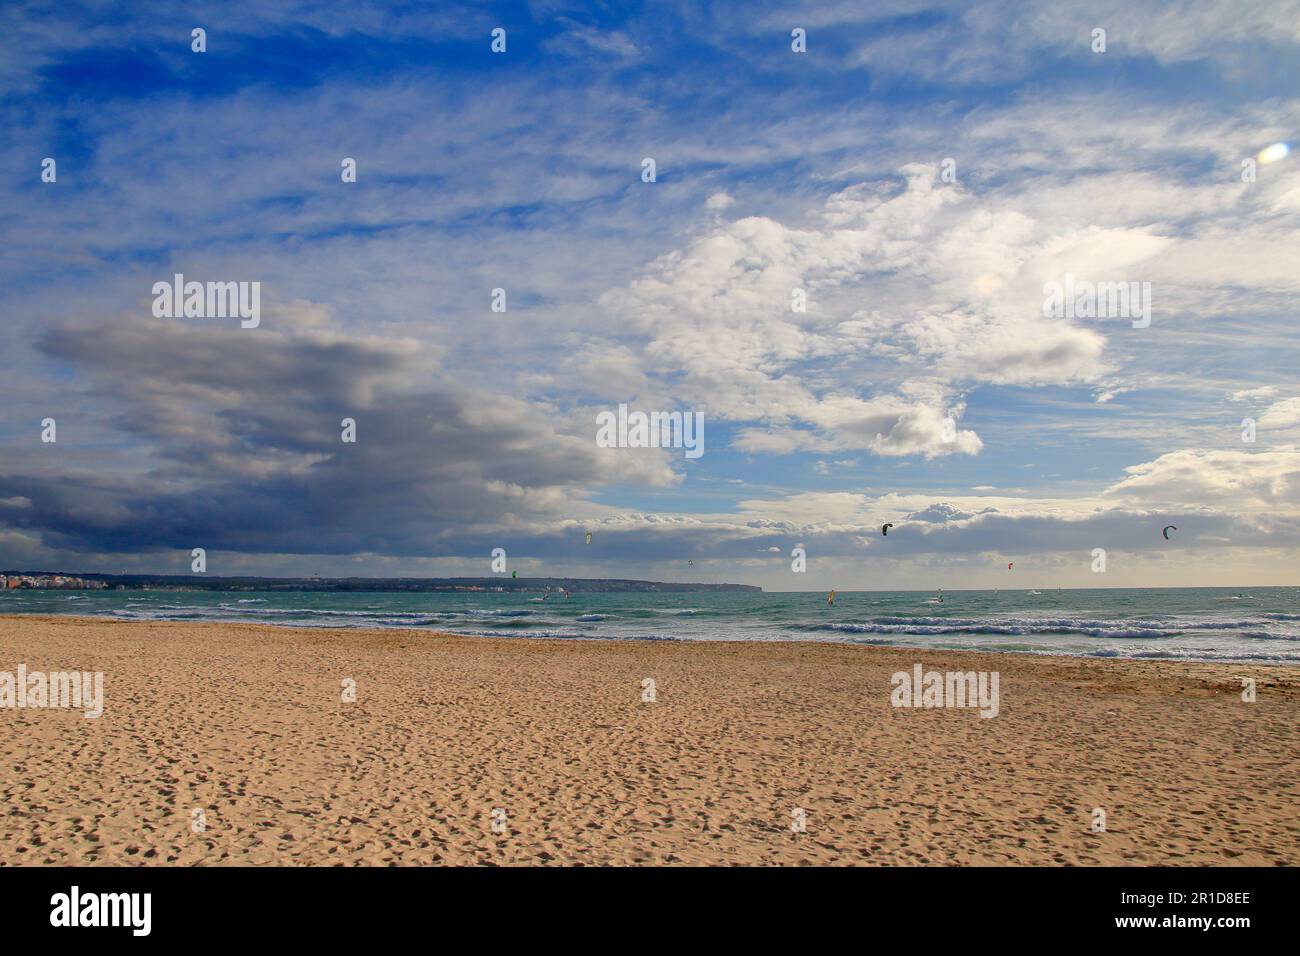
[1271,154]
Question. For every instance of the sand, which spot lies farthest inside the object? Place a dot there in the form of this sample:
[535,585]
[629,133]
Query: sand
[247,723]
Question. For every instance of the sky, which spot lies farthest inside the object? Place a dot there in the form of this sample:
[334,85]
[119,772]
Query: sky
[922,173]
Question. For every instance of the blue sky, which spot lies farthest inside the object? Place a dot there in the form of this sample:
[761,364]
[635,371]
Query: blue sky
[776,170]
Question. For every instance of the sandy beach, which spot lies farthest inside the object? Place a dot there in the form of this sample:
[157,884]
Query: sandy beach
[248,724]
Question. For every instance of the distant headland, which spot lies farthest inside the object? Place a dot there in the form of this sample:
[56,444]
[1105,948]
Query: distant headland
[10,580]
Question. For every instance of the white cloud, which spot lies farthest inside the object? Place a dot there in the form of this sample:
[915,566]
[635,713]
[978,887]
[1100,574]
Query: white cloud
[1237,481]
[1281,414]
[1250,394]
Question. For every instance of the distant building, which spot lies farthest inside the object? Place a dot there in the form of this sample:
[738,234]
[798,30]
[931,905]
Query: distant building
[62,582]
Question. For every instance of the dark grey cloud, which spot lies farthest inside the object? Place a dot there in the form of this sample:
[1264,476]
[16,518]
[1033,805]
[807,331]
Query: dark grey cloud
[237,439]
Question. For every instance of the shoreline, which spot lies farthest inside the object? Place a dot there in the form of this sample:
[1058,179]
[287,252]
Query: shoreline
[247,723]
[847,643]
[383,634]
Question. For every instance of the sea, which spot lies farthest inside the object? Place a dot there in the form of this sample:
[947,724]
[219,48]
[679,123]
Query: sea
[1214,624]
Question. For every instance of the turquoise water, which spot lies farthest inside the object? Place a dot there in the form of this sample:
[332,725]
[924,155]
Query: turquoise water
[1253,624]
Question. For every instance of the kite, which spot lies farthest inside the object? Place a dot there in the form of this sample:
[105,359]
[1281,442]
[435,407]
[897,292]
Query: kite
[884,528]
[514,574]
[1010,565]
[1168,528]
[588,537]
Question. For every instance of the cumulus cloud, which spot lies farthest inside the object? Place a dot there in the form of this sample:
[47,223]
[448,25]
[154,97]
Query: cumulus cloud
[721,315]
[1281,414]
[1237,481]
[1251,394]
